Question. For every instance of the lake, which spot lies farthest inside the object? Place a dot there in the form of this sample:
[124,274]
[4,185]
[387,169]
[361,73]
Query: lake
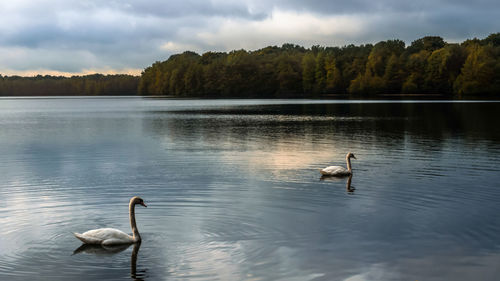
[234,192]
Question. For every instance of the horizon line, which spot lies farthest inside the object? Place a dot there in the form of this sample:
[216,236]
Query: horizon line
[85,72]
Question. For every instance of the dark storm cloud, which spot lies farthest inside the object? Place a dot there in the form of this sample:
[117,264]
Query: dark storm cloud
[73,36]
[188,8]
[366,6]
[458,19]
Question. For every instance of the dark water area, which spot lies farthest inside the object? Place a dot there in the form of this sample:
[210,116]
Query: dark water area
[234,192]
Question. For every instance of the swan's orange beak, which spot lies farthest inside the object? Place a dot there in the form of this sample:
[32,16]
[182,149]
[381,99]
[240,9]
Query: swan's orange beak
[143,204]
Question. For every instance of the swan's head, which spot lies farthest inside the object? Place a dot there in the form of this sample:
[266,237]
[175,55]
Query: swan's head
[351,155]
[137,200]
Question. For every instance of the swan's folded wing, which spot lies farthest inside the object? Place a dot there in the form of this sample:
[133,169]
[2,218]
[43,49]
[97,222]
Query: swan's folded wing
[333,170]
[97,236]
[87,239]
[114,241]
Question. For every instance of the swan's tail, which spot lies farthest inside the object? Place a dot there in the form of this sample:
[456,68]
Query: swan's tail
[79,236]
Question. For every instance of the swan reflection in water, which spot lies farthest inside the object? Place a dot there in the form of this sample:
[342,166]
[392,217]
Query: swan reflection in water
[101,250]
[350,189]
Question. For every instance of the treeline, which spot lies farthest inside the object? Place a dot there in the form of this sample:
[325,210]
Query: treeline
[428,66]
[88,85]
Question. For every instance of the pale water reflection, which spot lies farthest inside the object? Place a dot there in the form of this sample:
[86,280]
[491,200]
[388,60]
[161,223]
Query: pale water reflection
[234,192]
[348,180]
[98,250]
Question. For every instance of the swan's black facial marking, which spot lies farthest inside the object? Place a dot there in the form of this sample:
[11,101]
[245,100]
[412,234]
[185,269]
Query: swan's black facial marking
[141,202]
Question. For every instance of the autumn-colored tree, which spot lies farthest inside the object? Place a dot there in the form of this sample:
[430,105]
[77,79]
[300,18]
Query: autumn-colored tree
[480,73]
[333,82]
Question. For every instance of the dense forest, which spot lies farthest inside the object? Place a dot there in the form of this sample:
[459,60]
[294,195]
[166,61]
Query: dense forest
[428,66]
[88,85]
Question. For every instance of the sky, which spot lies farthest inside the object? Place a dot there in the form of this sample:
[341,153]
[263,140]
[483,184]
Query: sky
[70,37]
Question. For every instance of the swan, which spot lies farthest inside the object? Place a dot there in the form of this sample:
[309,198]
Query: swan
[339,171]
[111,236]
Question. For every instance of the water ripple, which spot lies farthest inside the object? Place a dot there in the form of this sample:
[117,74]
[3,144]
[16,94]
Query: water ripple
[234,191]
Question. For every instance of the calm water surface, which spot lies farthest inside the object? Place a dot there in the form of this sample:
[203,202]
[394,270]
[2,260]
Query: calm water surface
[234,193]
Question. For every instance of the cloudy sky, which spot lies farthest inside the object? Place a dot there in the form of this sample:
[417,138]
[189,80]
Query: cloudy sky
[124,36]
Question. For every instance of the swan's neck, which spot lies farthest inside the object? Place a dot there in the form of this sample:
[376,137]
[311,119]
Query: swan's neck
[348,160]
[135,231]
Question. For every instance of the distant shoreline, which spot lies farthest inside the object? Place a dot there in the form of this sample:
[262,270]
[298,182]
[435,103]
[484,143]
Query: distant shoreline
[381,98]
[429,68]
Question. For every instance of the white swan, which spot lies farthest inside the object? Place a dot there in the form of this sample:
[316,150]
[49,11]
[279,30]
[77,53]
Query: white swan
[111,236]
[339,171]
